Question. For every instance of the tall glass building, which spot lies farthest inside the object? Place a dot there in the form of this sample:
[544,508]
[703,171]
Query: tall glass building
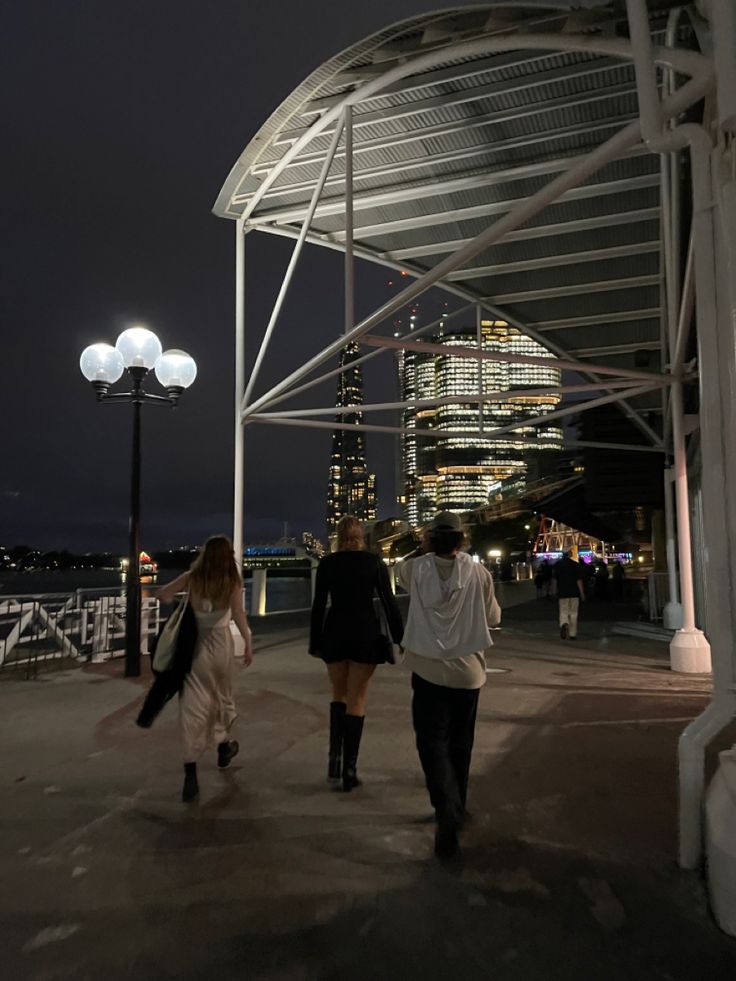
[459,472]
[351,489]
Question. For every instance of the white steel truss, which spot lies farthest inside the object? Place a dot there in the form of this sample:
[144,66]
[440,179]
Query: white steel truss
[277,194]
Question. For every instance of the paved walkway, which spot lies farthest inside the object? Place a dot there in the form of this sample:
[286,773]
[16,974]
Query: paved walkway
[568,869]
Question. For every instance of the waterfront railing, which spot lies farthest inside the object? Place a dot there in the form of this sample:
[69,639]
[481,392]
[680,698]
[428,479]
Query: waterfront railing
[89,624]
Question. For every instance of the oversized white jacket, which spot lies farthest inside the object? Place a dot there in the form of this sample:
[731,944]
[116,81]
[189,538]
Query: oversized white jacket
[447,617]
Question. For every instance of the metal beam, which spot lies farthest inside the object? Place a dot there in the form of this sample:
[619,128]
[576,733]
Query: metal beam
[593,352]
[425,347]
[440,434]
[566,259]
[604,286]
[286,282]
[489,90]
[533,232]
[627,316]
[371,199]
[290,393]
[484,149]
[687,62]
[499,396]
[349,318]
[455,215]
[448,128]
[571,410]
[535,331]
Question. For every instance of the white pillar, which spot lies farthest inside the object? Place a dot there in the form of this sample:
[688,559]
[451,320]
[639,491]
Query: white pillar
[689,648]
[349,258]
[672,613]
[258,593]
[238,462]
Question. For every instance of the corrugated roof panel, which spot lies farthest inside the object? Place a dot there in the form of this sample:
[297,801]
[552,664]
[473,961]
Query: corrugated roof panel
[608,335]
[551,275]
[586,304]
[434,161]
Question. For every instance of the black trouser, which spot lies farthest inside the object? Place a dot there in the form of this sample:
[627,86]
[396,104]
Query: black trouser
[444,723]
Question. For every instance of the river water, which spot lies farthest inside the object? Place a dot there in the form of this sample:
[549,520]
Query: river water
[281,593]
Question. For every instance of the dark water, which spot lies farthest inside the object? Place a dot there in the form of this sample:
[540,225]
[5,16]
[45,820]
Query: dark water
[60,581]
[281,593]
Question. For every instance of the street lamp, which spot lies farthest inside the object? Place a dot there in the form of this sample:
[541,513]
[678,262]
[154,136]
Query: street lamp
[136,351]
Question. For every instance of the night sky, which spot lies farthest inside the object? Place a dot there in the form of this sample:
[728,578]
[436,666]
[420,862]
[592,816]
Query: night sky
[121,122]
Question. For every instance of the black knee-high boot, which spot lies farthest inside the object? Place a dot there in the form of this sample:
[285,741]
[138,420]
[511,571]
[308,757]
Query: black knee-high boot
[190,790]
[350,750]
[337,725]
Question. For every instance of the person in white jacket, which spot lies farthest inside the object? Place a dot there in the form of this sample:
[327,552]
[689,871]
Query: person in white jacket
[452,605]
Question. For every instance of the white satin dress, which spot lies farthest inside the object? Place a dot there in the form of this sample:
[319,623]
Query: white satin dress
[206,708]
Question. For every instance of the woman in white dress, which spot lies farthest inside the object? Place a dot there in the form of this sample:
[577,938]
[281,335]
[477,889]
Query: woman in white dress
[206,707]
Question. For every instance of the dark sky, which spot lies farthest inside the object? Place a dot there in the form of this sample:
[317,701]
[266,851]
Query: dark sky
[121,121]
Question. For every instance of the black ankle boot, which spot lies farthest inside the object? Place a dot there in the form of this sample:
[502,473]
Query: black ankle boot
[337,724]
[226,753]
[351,747]
[190,790]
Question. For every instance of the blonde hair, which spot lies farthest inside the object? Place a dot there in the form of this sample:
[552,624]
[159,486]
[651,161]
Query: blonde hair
[349,534]
[214,575]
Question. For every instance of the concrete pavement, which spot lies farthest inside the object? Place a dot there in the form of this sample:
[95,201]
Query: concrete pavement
[568,869]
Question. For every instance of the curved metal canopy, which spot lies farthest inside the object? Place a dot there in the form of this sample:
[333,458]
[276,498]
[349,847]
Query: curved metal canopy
[458,116]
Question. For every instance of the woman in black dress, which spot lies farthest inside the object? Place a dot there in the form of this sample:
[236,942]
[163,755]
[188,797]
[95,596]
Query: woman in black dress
[348,639]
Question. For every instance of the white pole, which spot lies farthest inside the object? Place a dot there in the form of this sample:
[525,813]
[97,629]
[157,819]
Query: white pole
[258,592]
[479,338]
[687,62]
[521,213]
[689,650]
[372,340]
[349,258]
[444,434]
[672,613]
[239,436]
[364,357]
[499,396]
[286,282]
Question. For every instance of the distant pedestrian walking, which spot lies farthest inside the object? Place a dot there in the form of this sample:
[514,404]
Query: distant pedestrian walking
[618,575]
[570,591]
[349,640]
[600,583]
[452,605]
[206,706]
[543,580]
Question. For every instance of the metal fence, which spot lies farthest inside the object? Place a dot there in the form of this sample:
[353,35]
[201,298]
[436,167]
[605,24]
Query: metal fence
[87,624]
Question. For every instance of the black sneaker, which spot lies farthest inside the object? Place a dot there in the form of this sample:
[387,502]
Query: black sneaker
[564,631]
[226,753]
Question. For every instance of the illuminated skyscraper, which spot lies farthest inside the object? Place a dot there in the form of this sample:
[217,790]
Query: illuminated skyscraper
[460,472]
[351,490]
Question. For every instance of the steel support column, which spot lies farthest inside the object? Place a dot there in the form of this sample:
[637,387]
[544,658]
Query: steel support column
[239,436]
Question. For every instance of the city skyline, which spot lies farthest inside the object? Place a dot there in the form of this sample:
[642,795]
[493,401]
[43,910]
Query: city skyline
[458,472]
[351,487]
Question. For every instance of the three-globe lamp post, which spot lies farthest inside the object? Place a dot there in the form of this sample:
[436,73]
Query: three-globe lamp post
[137,351]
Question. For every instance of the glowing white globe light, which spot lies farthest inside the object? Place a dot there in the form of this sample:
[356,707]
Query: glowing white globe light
[139,347]
[101,363]
[176,369]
